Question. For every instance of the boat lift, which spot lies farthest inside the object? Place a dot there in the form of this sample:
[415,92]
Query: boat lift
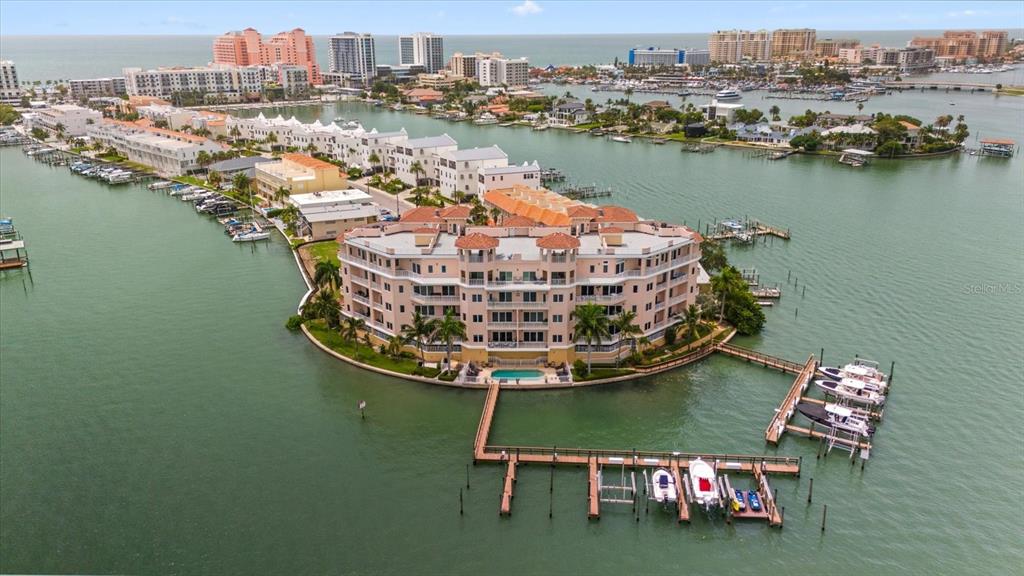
[622,493]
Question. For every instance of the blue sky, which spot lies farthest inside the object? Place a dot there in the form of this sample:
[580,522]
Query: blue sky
[514,17]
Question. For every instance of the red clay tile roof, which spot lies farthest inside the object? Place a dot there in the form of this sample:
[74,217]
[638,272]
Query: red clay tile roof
[558,241]
[582,211]
[421,214]
[518,221]
[476,241]
[612,230]
[308,161]
[616,214]
[457,211]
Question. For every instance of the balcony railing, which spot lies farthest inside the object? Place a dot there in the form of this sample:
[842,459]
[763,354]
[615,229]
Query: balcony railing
[434,299]
[519,345]
[516,304]
[602,297]
[360,298]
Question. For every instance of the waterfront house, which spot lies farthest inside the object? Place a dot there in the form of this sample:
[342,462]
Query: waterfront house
[297,174]
[423,96]
[516,284]
[913,136]
[860,135]
[570,113]
[525,174]
[242,165]
[328,214]
[74,120]
[169,152]
[724,110]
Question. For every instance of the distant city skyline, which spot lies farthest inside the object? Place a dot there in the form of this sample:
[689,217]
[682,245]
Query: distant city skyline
[490,18]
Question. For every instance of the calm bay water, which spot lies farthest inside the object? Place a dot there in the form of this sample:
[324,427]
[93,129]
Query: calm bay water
[53,57]
[156,416]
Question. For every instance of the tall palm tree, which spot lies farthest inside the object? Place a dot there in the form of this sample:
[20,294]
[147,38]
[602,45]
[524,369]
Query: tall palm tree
[374,159]
[692,316]
[326,275]
[420,331]
[417,171]
[214,178]
[281,193]
[240,182]
[351,329]
[625,324]
[448,329]
[459,196]
[394,345]
[495,214]
[591,326]
[774,111]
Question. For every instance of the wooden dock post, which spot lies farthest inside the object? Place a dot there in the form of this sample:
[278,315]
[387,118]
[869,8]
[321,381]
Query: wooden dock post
[460,501]
[810,491]
[892,369]
[467,476]
[824,513]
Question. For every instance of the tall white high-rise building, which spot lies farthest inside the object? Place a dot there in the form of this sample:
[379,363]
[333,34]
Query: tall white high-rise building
[423,48]
[494,70]
[9,90]
[353,54]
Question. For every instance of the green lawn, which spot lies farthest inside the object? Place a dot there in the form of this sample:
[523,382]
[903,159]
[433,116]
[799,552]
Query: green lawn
[324,251]
[362,353]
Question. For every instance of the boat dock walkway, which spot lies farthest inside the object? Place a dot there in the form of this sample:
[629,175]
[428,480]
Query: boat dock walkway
[750,228]
[594,459]
[765,360]
[786,410]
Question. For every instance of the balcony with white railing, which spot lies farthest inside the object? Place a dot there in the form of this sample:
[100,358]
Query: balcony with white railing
[516,304]
[518,345]
[434,299]
[366,264]
[361,299]
[602,298]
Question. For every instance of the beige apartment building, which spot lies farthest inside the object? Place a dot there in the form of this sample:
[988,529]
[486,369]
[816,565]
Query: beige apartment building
[730,46]
[793,44]
[960,45]
[298,174]
[516,284]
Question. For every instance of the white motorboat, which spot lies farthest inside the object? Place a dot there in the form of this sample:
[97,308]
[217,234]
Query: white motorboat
[250,236]
[728,94]
[854,390]
[860,369]
[663,486]
[486,118]
[623,139]
[836,416]
[705,484]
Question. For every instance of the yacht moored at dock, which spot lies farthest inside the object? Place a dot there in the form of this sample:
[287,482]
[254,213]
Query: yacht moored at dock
[836,416]
[856,391]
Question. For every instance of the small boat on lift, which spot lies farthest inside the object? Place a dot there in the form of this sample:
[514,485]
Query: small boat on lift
[861,369]
[622,139]
[856,391]
[663,486]
[705,484]
[836,416]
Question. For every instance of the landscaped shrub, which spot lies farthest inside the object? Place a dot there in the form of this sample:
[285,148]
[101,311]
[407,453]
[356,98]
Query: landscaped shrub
[294,322]
[580,367]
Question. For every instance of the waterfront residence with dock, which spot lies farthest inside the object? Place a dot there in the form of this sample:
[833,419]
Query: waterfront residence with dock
[516,283]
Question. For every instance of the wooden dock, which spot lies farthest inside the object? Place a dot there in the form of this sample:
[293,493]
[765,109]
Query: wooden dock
[751,228]
[682,496]
[765,360]
[594,491]
[510,484]
[786,410]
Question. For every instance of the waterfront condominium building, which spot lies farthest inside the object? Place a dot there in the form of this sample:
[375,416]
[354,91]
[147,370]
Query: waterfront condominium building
[298,174]
[247,48]
[656,57]
[10,89]
[98,87]
[463,65]
[459,170]
[422,48]
[493,70]
[426,152]
[730,46]
[354,55]
[525,174]
[697,57]
[793,44]
[170,152]
[516,283]
[73,120]
[229,82]
[829,48]
[959,45]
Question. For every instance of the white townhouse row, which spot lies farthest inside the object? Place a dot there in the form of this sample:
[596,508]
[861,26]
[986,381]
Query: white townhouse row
[170,152]
[66,119]
[470,172]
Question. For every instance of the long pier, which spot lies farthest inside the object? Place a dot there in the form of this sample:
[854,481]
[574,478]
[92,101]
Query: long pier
[788,407]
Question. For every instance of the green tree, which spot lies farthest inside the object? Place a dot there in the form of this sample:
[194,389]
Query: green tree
[351,328]
[394,345]
[775,111]
[420,331]
[8,115]
[448,329]
[240,182]
[417,171]
[374,160]
[495,214]
[39,133]
[327,276]
[737,304]
[324,306]
[203,158]
[213,178]
[692,317]
[712,256]
[459,196]
[889,149]
[591,327]
[625,324]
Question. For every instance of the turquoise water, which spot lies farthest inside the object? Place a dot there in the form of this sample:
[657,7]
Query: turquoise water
[524,374]
[157,418]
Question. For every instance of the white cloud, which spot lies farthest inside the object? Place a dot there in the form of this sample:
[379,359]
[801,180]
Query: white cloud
[526,8]
[965,13]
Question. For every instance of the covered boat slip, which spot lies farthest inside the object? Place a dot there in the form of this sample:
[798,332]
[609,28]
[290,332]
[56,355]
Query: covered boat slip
[627,465]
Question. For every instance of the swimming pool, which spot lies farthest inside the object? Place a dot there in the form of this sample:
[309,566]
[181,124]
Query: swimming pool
[514,374]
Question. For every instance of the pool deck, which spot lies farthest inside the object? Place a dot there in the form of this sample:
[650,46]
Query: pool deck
[549,376]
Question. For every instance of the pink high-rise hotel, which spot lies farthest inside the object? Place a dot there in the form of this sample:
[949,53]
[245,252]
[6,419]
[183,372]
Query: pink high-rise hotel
[516,282]
[247,48]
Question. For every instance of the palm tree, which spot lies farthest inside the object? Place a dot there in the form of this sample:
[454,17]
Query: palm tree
[240,182]
[203,158]
[628,93]
[59,128]
[271,139]
[691,316]
[235,132]
[419,195]
[352,326]
[774,111]
[495,214]
[289,215]
[374,159]
[591,326]
[214,178]
[860,106]
[421,330]
[326,275]
[394,345]
[281,194]
[417,171]
[448,329]
[324,306]
[459,196]
[625,324]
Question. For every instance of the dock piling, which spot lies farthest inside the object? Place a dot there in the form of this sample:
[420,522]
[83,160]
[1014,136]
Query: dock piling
[810,491]
[460,501]
[824,513]
[467,476]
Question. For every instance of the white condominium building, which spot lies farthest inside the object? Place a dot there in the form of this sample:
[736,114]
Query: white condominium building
[330,139]
[69,119]
[381,144]
[497,71]
[229,82]
[459,170]
[354,55]
[516,284]
[98,87]
[171,153]
[425,151]
[10,88]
